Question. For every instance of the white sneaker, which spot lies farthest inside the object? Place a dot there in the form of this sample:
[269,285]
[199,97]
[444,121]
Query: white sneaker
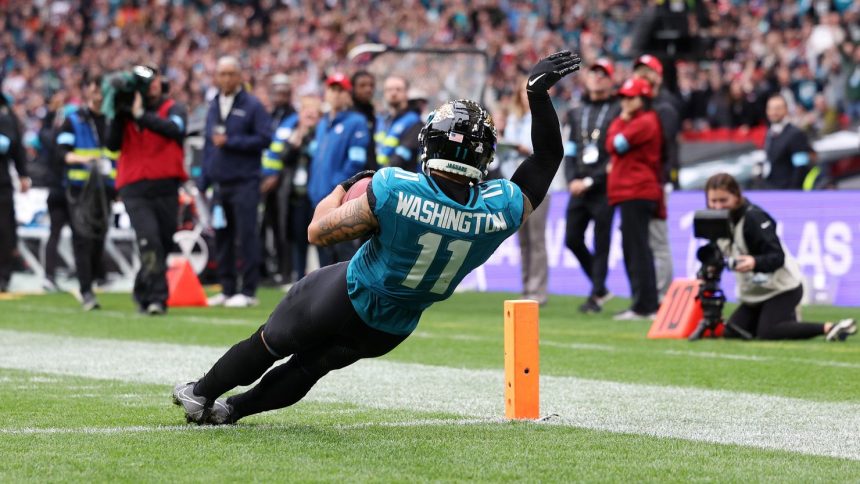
[631,315]
[601,301]
[841,330]
[217,300]
[241,301]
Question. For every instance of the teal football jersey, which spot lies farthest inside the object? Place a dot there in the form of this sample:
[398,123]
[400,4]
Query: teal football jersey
[426,244]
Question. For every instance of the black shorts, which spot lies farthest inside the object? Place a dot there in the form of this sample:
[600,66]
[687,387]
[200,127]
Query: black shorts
[317,314]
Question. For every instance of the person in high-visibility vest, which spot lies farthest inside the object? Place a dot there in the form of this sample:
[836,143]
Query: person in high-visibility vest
[81,145]
[397,131]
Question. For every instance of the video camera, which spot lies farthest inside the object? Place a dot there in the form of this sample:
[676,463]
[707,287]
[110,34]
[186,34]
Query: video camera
[712,225]
[118,89]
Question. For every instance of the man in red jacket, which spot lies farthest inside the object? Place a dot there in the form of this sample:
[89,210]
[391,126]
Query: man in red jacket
[150,169]
[634,142]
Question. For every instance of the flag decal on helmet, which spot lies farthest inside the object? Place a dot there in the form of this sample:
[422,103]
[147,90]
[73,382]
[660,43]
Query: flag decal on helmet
[456,137]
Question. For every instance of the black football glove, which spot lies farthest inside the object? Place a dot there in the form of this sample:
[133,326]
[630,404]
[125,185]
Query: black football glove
[550,69]
[349,182]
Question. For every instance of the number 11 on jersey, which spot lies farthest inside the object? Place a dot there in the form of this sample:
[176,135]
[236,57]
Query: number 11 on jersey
[430,243]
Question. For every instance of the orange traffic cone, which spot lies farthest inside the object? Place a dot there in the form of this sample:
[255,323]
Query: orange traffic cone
[183,285]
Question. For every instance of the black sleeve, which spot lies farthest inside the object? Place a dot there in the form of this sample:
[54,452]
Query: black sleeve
[570,172]
[115,129]
[762,241]
[167,127]
[535,174]
[670,123]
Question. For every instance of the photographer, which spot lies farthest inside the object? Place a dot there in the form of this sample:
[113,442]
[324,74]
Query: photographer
[149,135]
[80,146]
[769,282]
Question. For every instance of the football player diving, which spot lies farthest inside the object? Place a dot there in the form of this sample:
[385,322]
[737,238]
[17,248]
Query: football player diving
[427,231]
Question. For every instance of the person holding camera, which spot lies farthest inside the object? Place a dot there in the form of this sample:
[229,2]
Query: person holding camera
[769,283]
[80,145]
[238,129]
[148,134]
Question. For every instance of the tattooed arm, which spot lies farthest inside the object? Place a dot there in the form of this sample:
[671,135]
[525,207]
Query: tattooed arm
[333,222]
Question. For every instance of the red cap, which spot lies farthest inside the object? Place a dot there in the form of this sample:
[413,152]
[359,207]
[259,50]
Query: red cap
[605,64]
[339,79]
[635,87]
[650,62]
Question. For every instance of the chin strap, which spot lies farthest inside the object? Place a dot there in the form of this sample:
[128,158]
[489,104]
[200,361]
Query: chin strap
[454,167]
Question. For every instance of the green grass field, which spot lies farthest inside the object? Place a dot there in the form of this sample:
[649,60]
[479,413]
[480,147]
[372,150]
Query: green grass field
[85,397]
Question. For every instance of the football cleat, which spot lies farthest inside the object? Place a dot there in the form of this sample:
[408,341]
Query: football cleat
[221,413]
[197,408]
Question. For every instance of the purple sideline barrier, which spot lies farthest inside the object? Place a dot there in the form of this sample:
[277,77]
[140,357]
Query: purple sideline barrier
[821,229]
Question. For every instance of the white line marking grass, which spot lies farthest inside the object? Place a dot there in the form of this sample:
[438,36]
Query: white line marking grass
[769,422]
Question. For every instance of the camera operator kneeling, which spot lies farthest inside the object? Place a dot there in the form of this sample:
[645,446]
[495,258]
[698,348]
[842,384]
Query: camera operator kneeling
[769,284]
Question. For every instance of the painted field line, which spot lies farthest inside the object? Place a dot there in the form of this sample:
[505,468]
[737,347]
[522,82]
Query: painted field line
[124,315]
[788,424]
[136,429]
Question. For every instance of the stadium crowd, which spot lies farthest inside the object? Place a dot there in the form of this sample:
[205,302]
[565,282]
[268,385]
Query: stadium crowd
[718,64]
[803,49]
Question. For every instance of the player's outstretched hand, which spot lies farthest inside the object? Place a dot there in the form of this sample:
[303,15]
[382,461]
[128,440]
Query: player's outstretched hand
[349,182]
[550,69]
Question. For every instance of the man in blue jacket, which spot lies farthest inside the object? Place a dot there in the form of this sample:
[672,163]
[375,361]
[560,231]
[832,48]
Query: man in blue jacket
[342,140]
[238,129]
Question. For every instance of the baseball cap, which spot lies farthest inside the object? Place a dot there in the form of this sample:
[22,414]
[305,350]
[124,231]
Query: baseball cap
[604,64]
[339,79]
[635,87]
[650,62]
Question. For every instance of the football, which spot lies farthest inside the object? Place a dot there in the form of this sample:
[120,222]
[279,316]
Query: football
[357,190]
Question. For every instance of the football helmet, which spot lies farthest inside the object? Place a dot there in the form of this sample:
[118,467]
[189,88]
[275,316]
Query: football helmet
[460,138]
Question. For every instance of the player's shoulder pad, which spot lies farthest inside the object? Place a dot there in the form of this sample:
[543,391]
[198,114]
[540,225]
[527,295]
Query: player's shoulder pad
[499,192]
[389,180]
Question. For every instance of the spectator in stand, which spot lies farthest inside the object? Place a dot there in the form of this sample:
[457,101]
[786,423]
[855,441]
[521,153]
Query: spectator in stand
[586,159]
[342,139]
[238,129]
[396,136]
[665,104]
[788,149]
[11,150]
[851,66]
[281,96]
[363,89]
[150,169]
[634,143]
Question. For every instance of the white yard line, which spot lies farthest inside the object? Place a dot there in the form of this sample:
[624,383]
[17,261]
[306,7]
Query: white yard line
[788,424]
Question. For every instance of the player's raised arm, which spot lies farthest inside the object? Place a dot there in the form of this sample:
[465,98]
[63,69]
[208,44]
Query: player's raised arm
[535,174]
[335,222]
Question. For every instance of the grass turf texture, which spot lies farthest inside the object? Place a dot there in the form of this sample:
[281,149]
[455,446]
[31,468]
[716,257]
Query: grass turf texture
[320,441]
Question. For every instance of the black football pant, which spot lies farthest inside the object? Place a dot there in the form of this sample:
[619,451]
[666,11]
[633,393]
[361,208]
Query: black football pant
[775,318]
[317,326]
[595,265]
[154,220]
[638,259]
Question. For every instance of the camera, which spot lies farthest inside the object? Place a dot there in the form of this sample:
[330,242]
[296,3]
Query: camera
[118,89]
[712,225]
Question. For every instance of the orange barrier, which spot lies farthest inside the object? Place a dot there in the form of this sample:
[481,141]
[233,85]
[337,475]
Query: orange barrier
[184,287]
[680,312]
[522,369]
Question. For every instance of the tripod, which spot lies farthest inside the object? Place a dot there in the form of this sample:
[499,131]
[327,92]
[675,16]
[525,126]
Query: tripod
[713,299]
